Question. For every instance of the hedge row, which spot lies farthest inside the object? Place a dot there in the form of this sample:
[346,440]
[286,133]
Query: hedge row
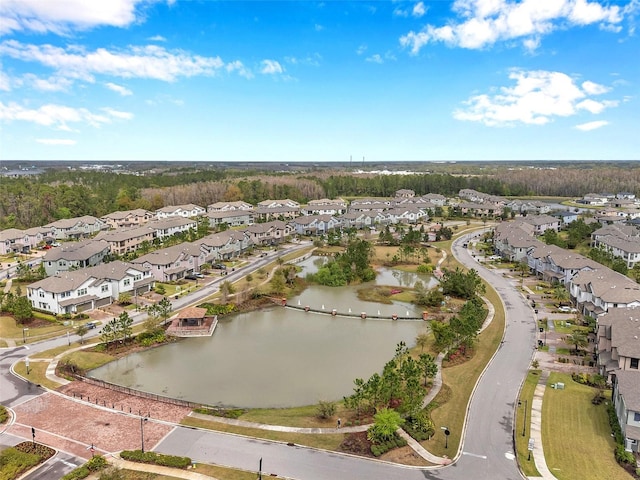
[96,464]
[622,456]
[382,448]
[155,458]
[419,435]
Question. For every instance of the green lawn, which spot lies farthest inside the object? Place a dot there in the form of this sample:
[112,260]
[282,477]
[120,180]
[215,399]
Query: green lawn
[576,435]
[329,441]
[567,327]
[9,329]
[293,417]
[87,360]
[37,373]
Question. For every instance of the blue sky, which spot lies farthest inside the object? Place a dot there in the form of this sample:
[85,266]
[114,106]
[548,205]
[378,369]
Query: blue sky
[319,81]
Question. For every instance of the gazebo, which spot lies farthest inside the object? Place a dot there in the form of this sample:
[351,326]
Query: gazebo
[192,317]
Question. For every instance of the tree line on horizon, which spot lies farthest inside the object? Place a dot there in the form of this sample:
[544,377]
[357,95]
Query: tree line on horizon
[33,201]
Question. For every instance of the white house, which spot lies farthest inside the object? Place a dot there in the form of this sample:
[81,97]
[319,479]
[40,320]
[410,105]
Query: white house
[188,210]
[89,288]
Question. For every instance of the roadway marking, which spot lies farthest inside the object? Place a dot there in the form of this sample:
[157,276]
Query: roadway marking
[484,457]
[68,464]
[26,347]
[510,456]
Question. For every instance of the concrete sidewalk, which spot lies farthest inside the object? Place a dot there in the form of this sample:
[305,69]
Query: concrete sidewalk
[535,429]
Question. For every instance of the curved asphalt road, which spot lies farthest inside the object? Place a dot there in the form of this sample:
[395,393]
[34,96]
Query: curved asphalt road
[488,452]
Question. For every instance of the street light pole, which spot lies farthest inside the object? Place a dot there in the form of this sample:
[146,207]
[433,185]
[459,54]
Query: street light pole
[524,424]
[68,339]
[142,422]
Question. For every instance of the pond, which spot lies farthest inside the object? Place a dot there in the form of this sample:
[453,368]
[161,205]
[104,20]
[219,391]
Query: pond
[275,357]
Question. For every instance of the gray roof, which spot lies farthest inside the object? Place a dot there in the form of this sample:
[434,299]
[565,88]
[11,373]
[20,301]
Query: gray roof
[73,251]
[610,286]
[123,234]
[70,222]
[625,330]
[629,386]
[66,281]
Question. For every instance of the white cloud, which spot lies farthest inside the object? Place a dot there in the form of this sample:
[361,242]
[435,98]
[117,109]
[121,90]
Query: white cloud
[157,38]
[485,22]
[117,113]
[419,10]
[594,88]
[271,67]
[361,49]
[375,58]
[594,106]
[57,116]
[536,98]
[51,84]
[149,61]
[399,12]
[586,127]
[5,82]
[124,91]
[56,141]
[61,16]
[238,66]
[318,28]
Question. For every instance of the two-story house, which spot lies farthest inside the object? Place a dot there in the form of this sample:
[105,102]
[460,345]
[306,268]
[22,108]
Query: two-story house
[269,233]
[75,228]
[128,218]
[315,224]
[75,255]
[598,291]
[618,341]
[325,206]
[231,218]
[188,210]
[126,240]
[89,288]
[173,263]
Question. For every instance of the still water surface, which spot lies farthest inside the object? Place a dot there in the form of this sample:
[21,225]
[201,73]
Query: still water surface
[275,357]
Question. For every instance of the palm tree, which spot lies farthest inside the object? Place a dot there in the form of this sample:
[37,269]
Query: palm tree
[578,339]
[561,294]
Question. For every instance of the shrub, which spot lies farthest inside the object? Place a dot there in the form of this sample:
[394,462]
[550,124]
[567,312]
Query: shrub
[326,410]
[96,464]
[3,414]
[624,457]
[155,458]
[221,412]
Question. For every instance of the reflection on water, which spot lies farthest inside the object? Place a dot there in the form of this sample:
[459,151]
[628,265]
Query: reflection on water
[278,357]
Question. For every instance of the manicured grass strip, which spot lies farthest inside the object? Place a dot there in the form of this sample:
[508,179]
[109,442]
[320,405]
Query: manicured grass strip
[329,441]
[9,329]
[304,417]
[224,473]
[87,360]
[528,467]
[576,435]
[461,380]
[55,351]
[37,374]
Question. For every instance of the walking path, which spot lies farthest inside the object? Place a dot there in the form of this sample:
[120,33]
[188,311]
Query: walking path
[191,474]
[535,429]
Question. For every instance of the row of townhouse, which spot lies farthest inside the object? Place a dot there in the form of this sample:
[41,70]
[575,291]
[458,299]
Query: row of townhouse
[611,298]
[14,240]
[599,199]
[622,241]
[618,353]
[88,288]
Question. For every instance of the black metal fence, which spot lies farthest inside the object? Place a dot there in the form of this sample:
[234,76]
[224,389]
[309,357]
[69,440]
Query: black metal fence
[138,393]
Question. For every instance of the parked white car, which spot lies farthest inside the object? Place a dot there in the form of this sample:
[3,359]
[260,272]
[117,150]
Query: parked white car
[565,309]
